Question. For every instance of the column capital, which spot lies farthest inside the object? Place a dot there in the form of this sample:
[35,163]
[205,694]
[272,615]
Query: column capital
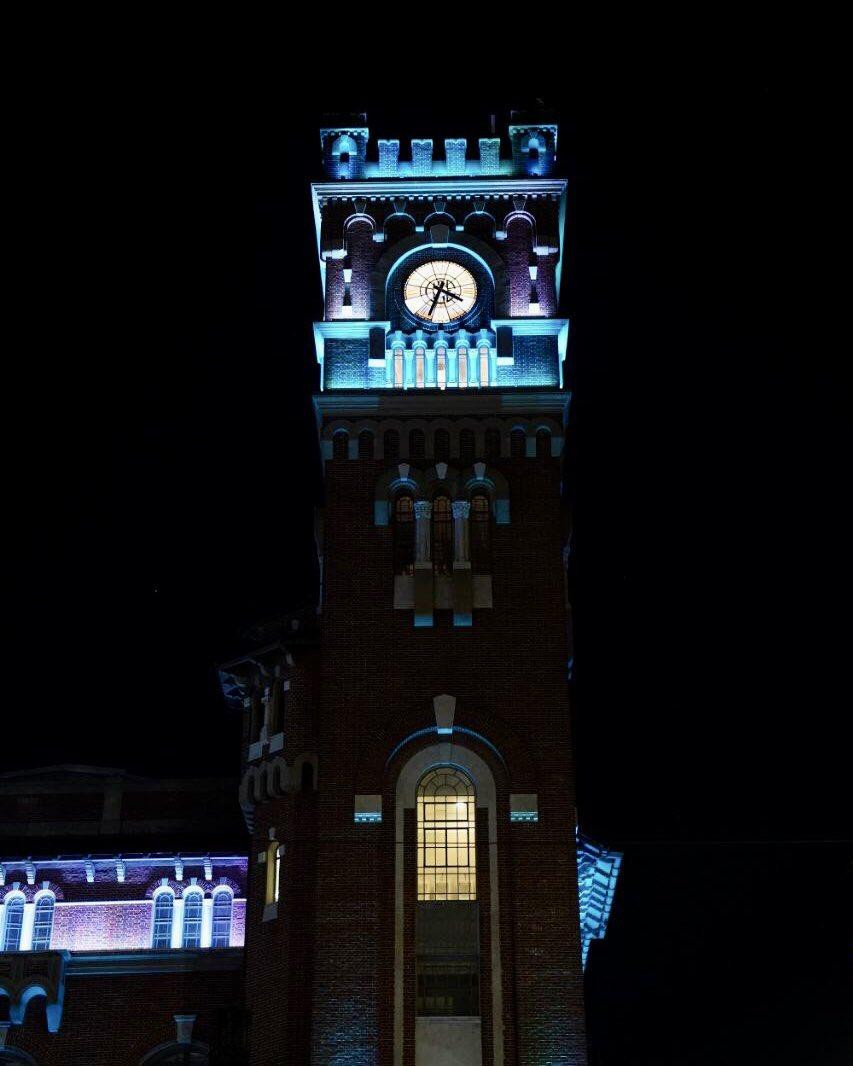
[423,508]
[461,508]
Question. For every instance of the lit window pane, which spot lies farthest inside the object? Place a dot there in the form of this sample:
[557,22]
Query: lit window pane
[14,924]
[192,919]
[163,907]
[446,857]
[43,925]
[221,920]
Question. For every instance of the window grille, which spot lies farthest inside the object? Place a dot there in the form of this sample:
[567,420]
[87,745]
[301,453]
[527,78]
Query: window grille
[14,924]
[518,444]
[442,535]
[419,367]
[398,368]
[391,444]
[543,444]
[221,937]
[340,445]
[163,909]
[481,534]
[192,919]
[404,535]
[365,444]
[417,444]
[441,367]
[466,446]
[43,924]
[446,836]
[442,446]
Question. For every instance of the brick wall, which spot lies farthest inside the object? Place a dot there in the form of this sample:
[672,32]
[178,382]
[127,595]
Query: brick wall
[333,953]
[114,1021]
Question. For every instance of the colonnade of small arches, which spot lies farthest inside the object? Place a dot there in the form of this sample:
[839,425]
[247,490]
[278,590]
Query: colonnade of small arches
[442,440]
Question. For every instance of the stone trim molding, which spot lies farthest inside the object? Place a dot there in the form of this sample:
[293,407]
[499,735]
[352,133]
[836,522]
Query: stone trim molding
[446,754]
[505,426]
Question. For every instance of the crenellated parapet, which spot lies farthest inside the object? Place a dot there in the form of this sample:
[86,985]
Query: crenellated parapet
[529,147]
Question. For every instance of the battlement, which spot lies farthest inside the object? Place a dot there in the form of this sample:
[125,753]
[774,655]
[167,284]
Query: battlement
[531,139]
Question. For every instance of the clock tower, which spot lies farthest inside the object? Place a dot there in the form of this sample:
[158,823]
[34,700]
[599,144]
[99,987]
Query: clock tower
[408,768]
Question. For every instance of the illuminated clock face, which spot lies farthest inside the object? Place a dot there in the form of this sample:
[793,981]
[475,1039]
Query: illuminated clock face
[440,291]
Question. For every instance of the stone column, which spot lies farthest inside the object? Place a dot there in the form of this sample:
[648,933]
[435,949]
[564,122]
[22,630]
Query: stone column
[423,512]
[463,584]
[461,511]
[423,564]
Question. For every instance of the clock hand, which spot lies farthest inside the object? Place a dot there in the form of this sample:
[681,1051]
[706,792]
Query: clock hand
[435,298]
[453,295]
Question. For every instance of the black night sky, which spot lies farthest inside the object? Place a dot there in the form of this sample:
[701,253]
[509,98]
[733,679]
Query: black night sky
[164,471]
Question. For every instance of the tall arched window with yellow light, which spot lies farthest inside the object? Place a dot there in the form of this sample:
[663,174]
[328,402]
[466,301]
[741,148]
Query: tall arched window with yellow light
[446,836]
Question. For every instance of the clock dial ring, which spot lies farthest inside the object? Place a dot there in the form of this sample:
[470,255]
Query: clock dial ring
[440,292]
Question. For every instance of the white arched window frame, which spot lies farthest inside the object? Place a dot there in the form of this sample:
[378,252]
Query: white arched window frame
[223,904]
[193,909]
[13,921]
[441,366]
[463,367]
[484,364]
[164,912]
[43,920]
[398,368]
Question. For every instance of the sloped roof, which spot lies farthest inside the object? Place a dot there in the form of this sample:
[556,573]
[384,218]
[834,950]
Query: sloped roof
[598,870]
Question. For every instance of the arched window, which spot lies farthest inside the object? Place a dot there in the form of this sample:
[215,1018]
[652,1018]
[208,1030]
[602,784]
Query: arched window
[221,937]
[365,444]
[463,367]
[441,446]
[493,443]
[442,535]
[391,444]
[307,777]
[518,444]
[447,866]
[43,923]
[467,444]
[441,366]
[164,905]
[419,368]
[340,444]
[193,903]
[404,535]
[543,444]
[417,444]
[481,535]
[14,923]
[484,364]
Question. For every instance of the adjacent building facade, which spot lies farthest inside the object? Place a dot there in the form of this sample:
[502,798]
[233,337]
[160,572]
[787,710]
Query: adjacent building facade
[417,892]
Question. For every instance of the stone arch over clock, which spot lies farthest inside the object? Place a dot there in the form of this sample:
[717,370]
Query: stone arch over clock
[395,267]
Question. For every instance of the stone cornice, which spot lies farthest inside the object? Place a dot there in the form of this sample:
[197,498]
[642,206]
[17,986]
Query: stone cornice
[449,187]
[100,963]
[434,404]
